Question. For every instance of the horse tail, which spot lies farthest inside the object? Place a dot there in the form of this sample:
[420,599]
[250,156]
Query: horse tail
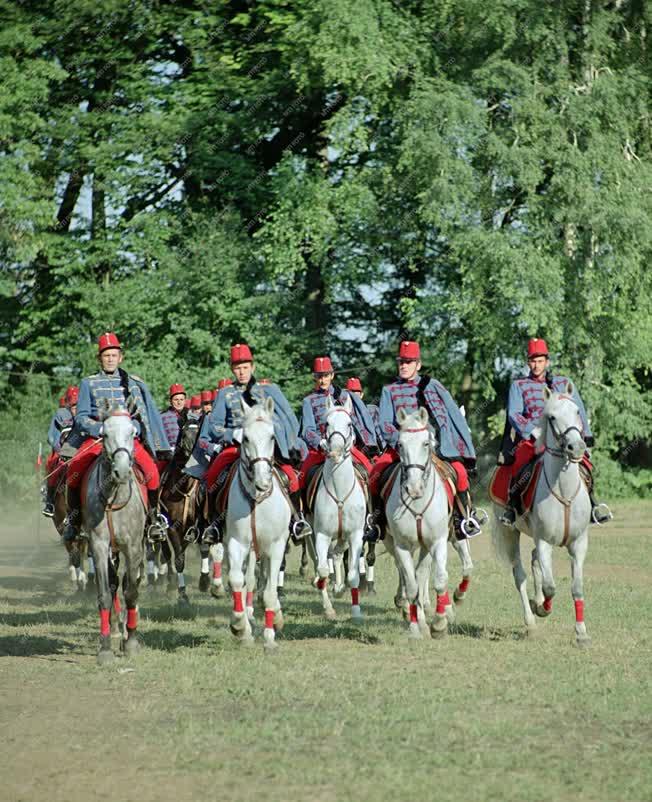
[499,538]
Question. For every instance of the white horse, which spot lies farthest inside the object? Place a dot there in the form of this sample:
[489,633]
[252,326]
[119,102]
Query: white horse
[257,524]
[417,519]
[560,514]
[340,507]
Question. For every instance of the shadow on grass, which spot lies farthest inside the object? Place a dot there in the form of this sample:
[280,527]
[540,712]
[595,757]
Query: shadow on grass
[165,613]
[43,617]
[328,629]
[169,640]
[32,646]
[468,630]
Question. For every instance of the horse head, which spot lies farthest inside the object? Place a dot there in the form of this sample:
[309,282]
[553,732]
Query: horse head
[187,438]
[257,448]
[561,431]
[339,430]
[414,448]
[118,441]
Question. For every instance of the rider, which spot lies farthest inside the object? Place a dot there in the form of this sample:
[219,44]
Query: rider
[207,401]
[354,387]
[221,432]
[174,415]
[524,408]
[62,421]
[454,445]
[112,384]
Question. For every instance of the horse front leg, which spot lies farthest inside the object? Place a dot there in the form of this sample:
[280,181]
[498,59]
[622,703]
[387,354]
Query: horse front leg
[577,549]
[273,612]
[250,583]
[303,566]
[544,582]
[217,585]
[355,555]
[338,562]
[463,549]
[104,599]
[439,626]
[239,624]
[204,573]
[130,587]
[423,569]
[322,545]
[405,565]
[507,542]
[179,548]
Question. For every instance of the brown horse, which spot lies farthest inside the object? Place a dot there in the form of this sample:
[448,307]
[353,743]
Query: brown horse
[180,497]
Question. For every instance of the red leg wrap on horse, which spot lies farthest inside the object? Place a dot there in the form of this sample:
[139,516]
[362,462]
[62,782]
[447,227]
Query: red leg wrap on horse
[355,596]
[464,584]
[217,570]
[269,619]
[132,618]
[321,582]
[446,598]
[413,614]
[441,604]
[547,604]
[105,626]
[116,604]
[237,602]
[250,598]
[579,611]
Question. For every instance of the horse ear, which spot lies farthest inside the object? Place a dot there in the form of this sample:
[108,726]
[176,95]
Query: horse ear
[422,416]
[348,404]
[269,405]
[546,393]
[569,388]
[401,416]
[103,409]
[329,403]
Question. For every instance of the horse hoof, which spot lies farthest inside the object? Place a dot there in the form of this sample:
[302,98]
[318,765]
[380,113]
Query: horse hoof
[105,657]
[532,632]
[270,646]
[450,614]
[331,615]
[363,585]
[246,641]
[414,632]
[398,602]
[204,583]
[217,591]
[458,597]
[541,611]
[356,615]
[132,646]
[183,600]
[279,623]
[583,643]
[302,570]
[439,627]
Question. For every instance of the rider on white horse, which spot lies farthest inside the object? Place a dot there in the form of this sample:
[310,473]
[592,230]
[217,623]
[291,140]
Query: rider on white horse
[409,392]
[354,387]
[62,422]
[221,434]
[524,409]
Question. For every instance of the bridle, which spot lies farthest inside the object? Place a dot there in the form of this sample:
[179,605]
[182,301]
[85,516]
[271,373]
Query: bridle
[247,468]
[425,469]
[348,440]
[562,440]
[348,445]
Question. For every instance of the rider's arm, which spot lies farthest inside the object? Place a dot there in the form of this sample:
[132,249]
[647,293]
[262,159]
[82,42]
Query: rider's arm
[515,407]
[387,418]
[216,429]
[309,430]
[54,434]
[586,428]
[85,423]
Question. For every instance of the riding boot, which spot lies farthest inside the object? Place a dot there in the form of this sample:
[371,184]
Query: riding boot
[508,515]
[469,524]
[375,522]
[212,533]
[156,527]
[600,512]
[73,518]
[299,526]
[48,507]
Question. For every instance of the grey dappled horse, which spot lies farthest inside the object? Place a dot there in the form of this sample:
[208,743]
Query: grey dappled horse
[113,515]
[560,514]
[417,522]
[339,507]
[257,524]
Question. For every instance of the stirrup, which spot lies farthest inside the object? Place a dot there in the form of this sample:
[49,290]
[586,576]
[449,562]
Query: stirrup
[601,518]
[372,531]
[192,534]
[157,531]
[481,516]
[300,528]
[48,510]
[508,517]
[470,527]
[212,534]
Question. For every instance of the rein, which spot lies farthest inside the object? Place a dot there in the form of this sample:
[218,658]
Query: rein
[426,470]
[253,501]
[560,453]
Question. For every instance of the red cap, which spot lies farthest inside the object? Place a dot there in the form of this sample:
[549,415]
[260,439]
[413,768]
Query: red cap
[176,389]
[536,347]
[107,340]
[322,364]
[195,402]
[354,384]
[213,395]
[409,349]
[62,401]
[72,394]
[206,395]
[240,353]
[222,383]
[186,403]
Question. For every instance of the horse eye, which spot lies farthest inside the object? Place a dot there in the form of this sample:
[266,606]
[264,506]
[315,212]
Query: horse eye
[552,417]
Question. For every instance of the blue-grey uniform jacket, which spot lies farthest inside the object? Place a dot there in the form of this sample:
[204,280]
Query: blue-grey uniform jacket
[374,411]
[525,405]
[62,419]
[313,417]
[95,390]
[218,427]
[454,437]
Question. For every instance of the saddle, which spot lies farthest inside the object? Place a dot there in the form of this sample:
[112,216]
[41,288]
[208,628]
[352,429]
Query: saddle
[138,475]
[444,469]
[225,480]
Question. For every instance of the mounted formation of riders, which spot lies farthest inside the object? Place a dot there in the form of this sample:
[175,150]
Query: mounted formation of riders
[75,435]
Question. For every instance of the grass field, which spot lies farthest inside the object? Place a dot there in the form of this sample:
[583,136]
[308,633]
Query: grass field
[341,712]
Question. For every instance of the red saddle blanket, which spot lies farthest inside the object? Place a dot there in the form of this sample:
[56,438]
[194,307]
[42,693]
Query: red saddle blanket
[527,478]
[138,475]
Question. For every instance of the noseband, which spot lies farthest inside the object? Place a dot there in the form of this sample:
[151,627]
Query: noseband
[425,469]
[562,440]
